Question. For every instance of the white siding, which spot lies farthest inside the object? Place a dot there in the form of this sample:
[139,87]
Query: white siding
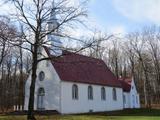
[58,94]
[127,103]
[82,105]
[51,85]
[132,97]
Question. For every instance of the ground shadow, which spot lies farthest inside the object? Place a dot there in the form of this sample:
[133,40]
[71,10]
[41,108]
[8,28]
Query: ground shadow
[130,112]
[126,112]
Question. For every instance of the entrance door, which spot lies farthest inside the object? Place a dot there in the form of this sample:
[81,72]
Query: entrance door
[133,99]
[40,99]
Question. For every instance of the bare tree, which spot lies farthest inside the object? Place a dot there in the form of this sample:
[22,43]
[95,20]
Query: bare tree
[33,16]
[7,32]
[152,38]
[138,42]
[114,55]
[98,47]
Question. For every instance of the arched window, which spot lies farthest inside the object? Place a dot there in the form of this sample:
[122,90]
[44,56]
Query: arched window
[41,76]
[137,99]
[103,93]
[114,94]
[40,99]
[41,91]
[75,92]
[133,101]
[124,99]
[90,93]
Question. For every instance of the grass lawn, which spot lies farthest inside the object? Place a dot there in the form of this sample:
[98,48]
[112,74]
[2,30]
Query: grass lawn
[142,114]
[84,117]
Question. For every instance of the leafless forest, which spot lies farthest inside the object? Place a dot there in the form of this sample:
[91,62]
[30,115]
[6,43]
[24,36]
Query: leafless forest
[135,54]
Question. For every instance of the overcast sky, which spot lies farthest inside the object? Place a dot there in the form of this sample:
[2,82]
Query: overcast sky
[125,15]
[119,16]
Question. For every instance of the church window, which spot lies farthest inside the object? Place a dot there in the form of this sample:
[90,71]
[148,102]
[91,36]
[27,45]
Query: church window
[40,99]
[75,92]
[137,99]
[103,93]
[124,99]
[90,93]
[114,94]
[41,76]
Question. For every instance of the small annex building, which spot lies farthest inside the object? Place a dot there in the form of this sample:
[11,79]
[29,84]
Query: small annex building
[130,94]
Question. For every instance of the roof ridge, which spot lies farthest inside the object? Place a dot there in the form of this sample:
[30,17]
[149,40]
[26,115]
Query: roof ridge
[84,72]
[76,53]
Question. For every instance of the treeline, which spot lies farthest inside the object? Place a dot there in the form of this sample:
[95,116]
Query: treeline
[137,55]
[14,67]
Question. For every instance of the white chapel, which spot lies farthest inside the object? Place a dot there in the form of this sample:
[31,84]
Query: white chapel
[75,83]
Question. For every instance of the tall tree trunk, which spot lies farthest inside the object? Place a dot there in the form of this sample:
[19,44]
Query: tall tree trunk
[21,86]
[15,84]
[32,87]
[116,67]
[147,87]
[2,89]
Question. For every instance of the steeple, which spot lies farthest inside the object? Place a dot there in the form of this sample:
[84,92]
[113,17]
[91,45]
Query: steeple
[52,23]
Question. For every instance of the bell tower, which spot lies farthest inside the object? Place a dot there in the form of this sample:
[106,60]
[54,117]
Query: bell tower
[52,22]
[53,39]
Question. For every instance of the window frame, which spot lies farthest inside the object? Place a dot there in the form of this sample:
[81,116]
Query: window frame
[137,101]
[114,94]
[75,95]
[40,98]
[103,93]
[41,78]
[90,92]
[124,99]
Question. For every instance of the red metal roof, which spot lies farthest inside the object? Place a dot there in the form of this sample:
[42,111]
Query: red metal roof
[73,67]
[126,84]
